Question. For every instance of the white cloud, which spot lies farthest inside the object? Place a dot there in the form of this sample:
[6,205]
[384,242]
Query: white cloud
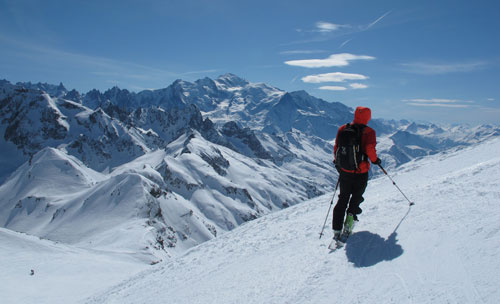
[433,100]
[435,69]
[442,105]
[335,60]
[358,86]
[438,102]
[333,88]
[325,27]
[324,31]
[491,99]
[333,77]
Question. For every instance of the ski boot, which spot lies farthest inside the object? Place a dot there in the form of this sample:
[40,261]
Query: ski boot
[346,232]
[349,223]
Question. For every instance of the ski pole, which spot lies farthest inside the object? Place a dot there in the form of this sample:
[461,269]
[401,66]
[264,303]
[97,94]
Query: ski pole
[331,203]
[394,183]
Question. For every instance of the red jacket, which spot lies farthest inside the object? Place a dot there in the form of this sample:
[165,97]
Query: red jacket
[362,116]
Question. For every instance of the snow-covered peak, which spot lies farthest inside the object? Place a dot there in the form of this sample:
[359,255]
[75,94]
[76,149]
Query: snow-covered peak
[206,82]
[230,80]
[50,172]
[53,90]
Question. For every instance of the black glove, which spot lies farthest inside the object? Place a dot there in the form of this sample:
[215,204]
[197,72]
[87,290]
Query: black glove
[378,161]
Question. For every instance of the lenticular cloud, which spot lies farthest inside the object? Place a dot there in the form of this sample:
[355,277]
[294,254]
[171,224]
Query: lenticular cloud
[335,60]
[333,77]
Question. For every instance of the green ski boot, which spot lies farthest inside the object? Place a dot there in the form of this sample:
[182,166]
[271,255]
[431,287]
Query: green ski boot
[346,232]
[349,223]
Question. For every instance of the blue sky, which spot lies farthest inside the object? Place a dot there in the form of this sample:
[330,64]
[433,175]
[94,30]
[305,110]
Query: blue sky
[436,61]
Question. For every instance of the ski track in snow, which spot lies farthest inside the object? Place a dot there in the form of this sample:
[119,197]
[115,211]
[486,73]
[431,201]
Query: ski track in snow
[444,249]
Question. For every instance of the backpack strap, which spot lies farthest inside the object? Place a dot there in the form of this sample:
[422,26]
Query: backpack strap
[360,129]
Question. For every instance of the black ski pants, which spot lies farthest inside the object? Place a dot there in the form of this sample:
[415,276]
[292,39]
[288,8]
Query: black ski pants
[352,187]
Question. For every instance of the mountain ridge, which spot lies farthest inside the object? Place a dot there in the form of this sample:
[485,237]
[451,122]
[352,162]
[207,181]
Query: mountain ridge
[203,157]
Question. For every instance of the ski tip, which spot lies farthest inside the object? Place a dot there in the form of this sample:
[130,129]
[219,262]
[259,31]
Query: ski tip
[334,248]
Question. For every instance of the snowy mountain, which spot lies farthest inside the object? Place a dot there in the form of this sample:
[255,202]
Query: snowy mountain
[53,90]
[269,110]
[231,98]
[161,203]
[437,251]
[160,171]
[34,120]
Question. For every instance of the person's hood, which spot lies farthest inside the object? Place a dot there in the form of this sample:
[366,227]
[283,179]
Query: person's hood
[362,115]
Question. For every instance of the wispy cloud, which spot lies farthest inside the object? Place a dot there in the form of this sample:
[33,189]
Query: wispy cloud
[354,86]
[333,88]
[438,105]
[200,72]
[332,77]
[438,102]
[326,27]
[442,68]
[432,100]
[323,31]
[95,65]
[377,20]
[344,43]
[335,60]
[302,52]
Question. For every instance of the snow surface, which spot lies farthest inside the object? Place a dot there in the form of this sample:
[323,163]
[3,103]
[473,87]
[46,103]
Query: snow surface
[62,273]
[444,249]
[160,192]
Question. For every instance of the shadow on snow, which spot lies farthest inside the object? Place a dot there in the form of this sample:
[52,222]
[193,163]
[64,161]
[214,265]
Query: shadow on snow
[365,249]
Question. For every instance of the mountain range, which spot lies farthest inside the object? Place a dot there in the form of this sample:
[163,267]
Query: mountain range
[160,171]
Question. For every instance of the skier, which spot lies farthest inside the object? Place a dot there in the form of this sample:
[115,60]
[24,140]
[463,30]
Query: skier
[353,178]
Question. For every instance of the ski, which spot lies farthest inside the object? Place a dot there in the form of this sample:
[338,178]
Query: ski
[340,242]
[336,244]
[333,245]
[342,239]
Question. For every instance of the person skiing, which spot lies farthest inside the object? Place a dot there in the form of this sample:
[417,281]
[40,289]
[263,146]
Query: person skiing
[353,170]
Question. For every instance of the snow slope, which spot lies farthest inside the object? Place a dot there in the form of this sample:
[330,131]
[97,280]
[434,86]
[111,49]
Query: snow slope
[62,273]
[444,249]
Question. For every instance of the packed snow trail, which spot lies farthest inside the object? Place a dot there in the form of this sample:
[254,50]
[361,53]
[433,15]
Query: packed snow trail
[442,250]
